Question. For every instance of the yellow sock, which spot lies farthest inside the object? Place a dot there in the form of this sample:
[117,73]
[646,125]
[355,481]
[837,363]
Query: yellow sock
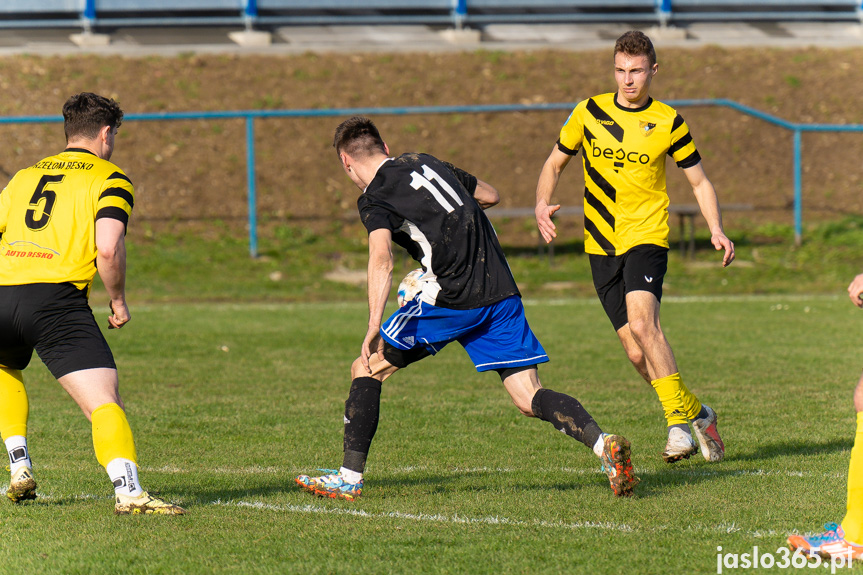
[14,407]
[679,403]
[691,405]
[853,522]
[112,436]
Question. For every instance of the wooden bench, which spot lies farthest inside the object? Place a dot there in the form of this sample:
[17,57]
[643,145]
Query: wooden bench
[685,215]
[687,212]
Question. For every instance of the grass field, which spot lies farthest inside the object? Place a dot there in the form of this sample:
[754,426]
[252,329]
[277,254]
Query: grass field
[229,401]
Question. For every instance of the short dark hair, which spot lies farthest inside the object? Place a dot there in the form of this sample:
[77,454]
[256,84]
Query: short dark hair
[636,43]
[358,137]
[85,114]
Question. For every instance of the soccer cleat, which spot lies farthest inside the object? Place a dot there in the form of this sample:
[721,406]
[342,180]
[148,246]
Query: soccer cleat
[616,463]
[712,447]
[22,485]
[680,445]
[308,483]
[145,504]
[829,544]
[332,485]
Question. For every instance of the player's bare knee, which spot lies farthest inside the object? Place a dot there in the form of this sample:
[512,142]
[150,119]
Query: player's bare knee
[379,369]
[636,356]
[644,330]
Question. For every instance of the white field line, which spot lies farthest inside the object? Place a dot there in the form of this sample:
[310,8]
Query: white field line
[461,519]
[457,519]
[424,517]
[454,519]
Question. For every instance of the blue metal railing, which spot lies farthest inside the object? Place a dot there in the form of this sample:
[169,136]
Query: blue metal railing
[89,14]
[250,115]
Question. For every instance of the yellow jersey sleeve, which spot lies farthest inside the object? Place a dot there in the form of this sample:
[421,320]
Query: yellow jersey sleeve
[572,132]
[48,213]
[682,149]
[117,198]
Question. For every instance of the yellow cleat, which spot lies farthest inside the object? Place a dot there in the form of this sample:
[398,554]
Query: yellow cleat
[145,504]
[22,486]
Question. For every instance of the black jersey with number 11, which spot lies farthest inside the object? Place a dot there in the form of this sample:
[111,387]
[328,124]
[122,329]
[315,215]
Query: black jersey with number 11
[429,207]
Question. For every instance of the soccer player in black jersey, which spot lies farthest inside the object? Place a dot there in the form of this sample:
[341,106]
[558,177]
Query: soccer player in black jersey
[435,211]
[624,138]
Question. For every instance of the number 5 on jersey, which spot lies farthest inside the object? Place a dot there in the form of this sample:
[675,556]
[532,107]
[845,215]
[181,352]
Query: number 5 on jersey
[50,196]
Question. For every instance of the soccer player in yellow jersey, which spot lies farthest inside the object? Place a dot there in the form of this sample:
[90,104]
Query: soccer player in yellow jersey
[846,539]
[624,138]
[61,220]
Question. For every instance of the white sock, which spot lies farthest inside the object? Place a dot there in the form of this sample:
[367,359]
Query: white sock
[350,476]
[124,475]
[599,446]
[19,456]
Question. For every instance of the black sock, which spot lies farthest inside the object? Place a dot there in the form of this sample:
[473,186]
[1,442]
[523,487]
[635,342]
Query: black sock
[566,414]
[362,410]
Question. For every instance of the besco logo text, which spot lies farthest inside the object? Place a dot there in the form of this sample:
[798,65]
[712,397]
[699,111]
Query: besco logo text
[621,155]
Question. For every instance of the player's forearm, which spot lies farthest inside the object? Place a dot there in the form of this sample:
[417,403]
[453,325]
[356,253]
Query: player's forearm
[111,263]
[380,281]
[707,200]
[547,184]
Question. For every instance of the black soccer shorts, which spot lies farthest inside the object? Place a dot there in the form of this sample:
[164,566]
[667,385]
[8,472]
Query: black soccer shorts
[642,268]
[56,321]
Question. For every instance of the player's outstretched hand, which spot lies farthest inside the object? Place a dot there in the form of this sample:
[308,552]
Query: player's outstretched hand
[855,290]
[720,242]
[373,343]
[543,220]
[119,315]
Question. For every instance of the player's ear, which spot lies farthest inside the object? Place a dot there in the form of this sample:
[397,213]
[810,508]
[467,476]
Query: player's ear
[386,149]
[103,133]
[654,69]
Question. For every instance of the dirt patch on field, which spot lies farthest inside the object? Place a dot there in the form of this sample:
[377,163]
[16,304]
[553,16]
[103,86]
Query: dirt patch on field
[190,172]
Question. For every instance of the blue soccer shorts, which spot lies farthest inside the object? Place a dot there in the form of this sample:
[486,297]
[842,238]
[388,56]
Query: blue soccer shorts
[496,336]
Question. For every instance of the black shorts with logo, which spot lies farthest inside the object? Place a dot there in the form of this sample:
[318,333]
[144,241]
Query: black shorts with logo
[56,321]
[642,268]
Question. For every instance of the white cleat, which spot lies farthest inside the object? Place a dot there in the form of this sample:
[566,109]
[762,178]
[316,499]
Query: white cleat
[145,504]
[680,446]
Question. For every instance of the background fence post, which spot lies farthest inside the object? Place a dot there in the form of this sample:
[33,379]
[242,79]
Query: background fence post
[663,11]
[89,15]
[459,13]
[250,13]
[798,189]
[252,191]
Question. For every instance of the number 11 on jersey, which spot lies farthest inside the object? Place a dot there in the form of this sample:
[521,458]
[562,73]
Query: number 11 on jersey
[425,179]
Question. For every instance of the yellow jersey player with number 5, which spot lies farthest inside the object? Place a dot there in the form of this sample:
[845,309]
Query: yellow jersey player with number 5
[62,220]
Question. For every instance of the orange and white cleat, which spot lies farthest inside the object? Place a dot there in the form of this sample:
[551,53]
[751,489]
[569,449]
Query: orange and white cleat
[616,463]
[831,543]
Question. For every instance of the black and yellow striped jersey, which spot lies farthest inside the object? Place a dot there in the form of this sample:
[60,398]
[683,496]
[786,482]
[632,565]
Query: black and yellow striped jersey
[623,150]
[48,216]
